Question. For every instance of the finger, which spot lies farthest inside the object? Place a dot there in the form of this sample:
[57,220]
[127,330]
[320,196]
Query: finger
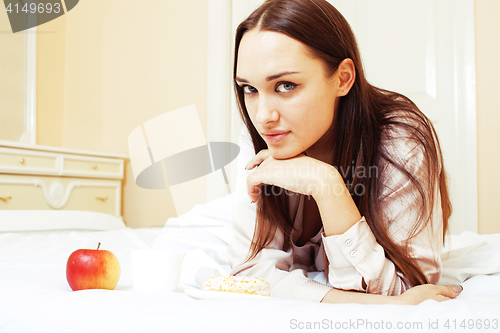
[254,189]
[441,298]
[257,159]
[451,291]
[254,193]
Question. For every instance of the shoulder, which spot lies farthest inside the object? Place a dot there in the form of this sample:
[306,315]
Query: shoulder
[409,164]
[408,136]
[408,152]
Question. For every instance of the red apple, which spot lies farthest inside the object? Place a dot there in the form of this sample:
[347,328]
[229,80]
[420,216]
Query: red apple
[92,269]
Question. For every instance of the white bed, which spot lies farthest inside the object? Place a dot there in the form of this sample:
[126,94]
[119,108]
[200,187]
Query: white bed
[35,296]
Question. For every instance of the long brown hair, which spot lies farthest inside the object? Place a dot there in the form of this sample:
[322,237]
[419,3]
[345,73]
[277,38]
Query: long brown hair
[364,115]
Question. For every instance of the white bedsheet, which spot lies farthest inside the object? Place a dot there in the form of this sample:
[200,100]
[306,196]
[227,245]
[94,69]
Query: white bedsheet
[35,296]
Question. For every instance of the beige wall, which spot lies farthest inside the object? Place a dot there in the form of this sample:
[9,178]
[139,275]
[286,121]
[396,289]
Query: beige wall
[50,87]
[110,66]
[488,113]
[107,67]
[11,81]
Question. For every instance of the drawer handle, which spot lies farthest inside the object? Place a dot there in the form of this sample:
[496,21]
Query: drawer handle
[103,199]
[5,199]
[21,160]
[94,166]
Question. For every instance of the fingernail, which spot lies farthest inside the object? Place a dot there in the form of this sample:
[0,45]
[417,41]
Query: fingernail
[457,288]
[252,202]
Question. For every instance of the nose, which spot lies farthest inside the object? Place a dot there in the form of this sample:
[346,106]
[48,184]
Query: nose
[267,112]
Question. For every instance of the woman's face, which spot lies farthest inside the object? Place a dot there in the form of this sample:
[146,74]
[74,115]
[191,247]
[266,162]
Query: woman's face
[288,94]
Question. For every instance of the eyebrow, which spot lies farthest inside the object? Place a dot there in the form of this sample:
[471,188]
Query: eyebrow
[269,78]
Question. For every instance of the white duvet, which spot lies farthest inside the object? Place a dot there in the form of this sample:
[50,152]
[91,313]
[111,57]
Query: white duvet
[35,296]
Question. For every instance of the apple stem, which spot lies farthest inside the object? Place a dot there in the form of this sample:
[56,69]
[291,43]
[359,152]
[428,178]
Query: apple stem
[98,245]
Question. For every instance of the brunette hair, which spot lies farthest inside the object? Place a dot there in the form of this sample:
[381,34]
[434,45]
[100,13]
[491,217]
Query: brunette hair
[364,115]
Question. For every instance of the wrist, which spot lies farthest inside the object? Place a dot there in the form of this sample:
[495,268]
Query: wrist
[328,183]
[336,206]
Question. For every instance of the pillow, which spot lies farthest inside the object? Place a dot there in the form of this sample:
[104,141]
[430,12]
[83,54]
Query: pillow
[36,220]
[204,225]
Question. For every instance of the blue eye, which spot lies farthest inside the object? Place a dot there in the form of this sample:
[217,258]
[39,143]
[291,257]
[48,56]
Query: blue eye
[248,89]
[285,87]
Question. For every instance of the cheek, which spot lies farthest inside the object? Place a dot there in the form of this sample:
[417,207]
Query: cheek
[326,120]
[317,114]
[251,115]
[324,107]
[317,123]
[251,109]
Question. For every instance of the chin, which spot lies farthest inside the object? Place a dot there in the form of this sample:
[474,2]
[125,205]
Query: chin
[283,153]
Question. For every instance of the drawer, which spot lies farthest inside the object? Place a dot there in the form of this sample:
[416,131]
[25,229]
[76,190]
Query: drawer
[100,168]
[19,196]
[95,198]
[29,192]
[22,161]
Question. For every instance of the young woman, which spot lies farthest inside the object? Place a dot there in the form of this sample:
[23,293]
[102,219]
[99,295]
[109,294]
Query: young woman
[347,179]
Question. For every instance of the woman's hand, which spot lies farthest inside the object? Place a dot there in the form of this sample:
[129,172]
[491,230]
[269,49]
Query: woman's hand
[299,174]
[418,294]
[305,175]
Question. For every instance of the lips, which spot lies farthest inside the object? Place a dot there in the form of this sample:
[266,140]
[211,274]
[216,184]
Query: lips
[275,136]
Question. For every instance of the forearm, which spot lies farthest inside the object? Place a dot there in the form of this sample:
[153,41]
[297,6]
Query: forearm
[337,209]
[338,296]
